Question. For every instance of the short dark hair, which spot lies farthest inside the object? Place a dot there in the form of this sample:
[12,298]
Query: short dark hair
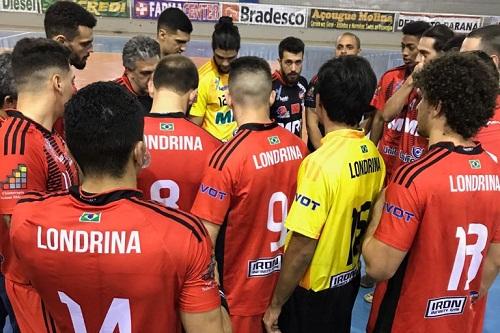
[490,38]
[226,35]
[103,123]
[415,28]
[139,48]
[345,86]
[250,78]
[464,86]
[32,55]
[176,72]
[292,45]
[356,38]
[174,19]
[441,34]
[7,85]
[454,44]
[64,18]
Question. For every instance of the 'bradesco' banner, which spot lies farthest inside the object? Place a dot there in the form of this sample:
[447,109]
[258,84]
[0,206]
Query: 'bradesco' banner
[351,19]
[110,8]
[281,16]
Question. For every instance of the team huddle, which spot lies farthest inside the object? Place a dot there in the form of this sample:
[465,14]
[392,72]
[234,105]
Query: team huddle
[177,199]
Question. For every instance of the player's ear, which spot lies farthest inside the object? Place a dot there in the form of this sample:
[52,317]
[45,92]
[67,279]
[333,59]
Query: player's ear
[496,60]
[57,83]
[60,38]
[9,102]
[141,155]
[272,98]
[151,88]
[193,95]
[437,110]
[162,33]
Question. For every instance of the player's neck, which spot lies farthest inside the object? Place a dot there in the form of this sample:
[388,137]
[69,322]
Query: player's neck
[331,126]
[447,135]
[169,102]
[253,116]
[38,108]
[104,183]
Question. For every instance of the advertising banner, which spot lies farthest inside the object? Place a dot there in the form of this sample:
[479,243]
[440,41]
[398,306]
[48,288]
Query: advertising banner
[489,20]
[351,20]
[20,6]
[258,14]
[110,8]
[457,23]
[196,11]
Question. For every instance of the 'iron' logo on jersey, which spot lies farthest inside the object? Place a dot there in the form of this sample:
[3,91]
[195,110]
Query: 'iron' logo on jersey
[90,217]
[166,127]
[475,164]
[364,149]
[264,266]
[446,306]
[273,140]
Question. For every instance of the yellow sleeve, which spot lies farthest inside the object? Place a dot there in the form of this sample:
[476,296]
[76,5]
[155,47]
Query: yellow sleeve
[310,208]
[199,108]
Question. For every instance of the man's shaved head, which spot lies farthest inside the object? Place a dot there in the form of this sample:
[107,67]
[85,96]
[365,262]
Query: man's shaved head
[250,81]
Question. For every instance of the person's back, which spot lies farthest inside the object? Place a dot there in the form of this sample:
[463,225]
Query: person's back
[437,221]
[114,260]
[179,149]
[458,194]
[254,175]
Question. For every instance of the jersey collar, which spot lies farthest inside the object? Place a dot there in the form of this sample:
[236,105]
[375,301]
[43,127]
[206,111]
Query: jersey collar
[477,149]
[18,114]
[345,133]
[167,115]
[104,198]
[258,127]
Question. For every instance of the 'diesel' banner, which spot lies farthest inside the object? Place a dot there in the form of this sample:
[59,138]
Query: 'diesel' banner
[350,20]
[196,11]
[21,6]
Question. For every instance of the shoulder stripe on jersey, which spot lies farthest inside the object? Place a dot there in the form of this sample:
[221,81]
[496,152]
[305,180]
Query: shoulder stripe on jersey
[226,157]
[6,138]
[193,218]
[37,194]
[406,169]
[14,137]
[42,198]
[222,149]
[423,167]
[52,323]
[170,216]
[23,138]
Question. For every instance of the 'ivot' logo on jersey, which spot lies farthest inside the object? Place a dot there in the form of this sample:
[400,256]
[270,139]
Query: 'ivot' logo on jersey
[90,217]
[166,126]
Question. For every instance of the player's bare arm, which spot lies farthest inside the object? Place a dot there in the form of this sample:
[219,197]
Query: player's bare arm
[6,219]
[377,128]
[207,322]
[312,121]
[197,120]
[296,260]
[491,268]
[382,261]
[396,102]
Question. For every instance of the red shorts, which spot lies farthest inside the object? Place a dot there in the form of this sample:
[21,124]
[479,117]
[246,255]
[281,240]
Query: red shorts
[248,324]
[27,306]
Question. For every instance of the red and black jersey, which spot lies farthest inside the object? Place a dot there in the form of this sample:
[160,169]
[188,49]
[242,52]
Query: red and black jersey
[310,102]
[443,211]
[289,103]
[179,151]
[113,262]
[247,189]
[145,100]
[489,136]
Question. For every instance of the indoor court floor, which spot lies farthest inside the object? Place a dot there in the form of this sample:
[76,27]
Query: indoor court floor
[105,64]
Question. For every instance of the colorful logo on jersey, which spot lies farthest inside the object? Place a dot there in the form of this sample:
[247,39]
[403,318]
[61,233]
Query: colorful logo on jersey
[273,140]
[90,217]
[264,266]
[18,179]
[475,164]
[212,192]
[417,152]
[398,212]
[166,126]
[364,149]
[306,202]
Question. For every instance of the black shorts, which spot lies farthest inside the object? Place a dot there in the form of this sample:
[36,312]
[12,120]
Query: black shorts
[326,311]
